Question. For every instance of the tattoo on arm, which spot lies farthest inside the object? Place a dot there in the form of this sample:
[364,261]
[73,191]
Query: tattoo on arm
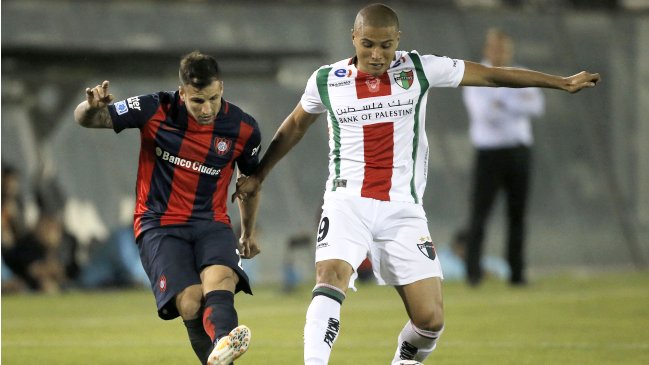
[103,117]
[99,118]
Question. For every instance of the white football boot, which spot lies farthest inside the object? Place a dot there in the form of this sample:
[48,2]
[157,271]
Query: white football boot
[230,347]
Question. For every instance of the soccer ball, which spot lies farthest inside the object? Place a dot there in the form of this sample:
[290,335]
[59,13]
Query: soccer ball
[408,362]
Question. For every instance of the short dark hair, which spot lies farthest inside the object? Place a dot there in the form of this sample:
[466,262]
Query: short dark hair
[198,70]
[377,15]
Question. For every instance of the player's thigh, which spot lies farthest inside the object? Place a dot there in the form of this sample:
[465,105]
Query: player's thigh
[424,303]
[343,235]
[168,259]
[403,251]
[218,259]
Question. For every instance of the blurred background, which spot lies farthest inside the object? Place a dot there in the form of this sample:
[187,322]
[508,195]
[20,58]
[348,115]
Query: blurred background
[589,208]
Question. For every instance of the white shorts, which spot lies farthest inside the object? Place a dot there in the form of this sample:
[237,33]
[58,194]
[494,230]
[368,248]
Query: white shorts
[394,235]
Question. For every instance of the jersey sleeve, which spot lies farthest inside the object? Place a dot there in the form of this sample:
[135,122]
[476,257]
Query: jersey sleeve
[442,71]
[311,101]
[133,112]
[249,159]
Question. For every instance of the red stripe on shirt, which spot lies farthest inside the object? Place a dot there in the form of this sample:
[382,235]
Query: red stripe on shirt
[369,86]
[379,153]
[194,148]
[220,197]
[145,168]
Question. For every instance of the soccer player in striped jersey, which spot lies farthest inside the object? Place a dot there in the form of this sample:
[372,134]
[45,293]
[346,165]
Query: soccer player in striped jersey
[376,104]
[191,140]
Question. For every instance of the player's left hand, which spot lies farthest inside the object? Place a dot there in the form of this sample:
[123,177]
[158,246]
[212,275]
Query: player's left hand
[248,247]
[580,81]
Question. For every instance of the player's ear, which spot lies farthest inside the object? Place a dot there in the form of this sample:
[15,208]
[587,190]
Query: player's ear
[181,92]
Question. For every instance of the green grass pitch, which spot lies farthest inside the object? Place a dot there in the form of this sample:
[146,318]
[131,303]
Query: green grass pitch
[569,319]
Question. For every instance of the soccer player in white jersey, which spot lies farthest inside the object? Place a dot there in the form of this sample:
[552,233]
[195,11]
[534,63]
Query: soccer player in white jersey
[376,105]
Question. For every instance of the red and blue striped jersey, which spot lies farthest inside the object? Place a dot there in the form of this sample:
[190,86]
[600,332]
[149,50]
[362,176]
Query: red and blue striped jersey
[185,168]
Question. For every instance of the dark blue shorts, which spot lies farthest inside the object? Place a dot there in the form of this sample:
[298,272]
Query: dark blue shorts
[174,256]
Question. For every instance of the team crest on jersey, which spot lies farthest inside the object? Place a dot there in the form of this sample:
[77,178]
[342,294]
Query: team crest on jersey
[222,145]
[427,248]
[373,84]
[404,79]
[368,86]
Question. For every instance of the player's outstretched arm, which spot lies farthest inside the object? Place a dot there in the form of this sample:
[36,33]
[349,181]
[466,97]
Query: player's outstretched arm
[93,112]
[287,136]
[476,74]
[248,208]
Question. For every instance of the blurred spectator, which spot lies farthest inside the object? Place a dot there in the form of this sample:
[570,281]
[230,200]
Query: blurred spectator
[452,257]
[291,276]
[115,262]
[501,134]
[12,225]
[39,259]
[45,257]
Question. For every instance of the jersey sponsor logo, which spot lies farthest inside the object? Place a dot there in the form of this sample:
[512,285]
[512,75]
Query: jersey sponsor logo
[222,145]
[369,86]
[134,103]
[427,248]
[187,164]
[343,72]
[255,151]
[404,79]
[340,83]
[123,106]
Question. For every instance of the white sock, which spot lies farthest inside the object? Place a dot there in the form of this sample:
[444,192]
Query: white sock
[322,324]
[415,343]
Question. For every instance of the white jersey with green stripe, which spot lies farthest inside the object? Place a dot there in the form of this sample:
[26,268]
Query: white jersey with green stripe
[377,139]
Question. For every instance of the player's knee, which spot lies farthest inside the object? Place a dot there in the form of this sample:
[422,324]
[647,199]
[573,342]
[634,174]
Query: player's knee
[218,277]
[432,320]
[335,273]
[189,302]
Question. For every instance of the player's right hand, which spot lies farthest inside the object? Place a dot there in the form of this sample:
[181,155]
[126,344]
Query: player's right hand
[248,247]
[581,80]
[98,96]
[247,186]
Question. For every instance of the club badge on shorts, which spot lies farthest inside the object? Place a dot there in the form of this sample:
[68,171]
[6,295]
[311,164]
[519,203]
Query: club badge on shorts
[427,248]
[162,283]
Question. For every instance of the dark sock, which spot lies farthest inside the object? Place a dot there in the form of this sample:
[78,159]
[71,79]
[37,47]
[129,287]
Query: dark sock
[219,316]
[201,342]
